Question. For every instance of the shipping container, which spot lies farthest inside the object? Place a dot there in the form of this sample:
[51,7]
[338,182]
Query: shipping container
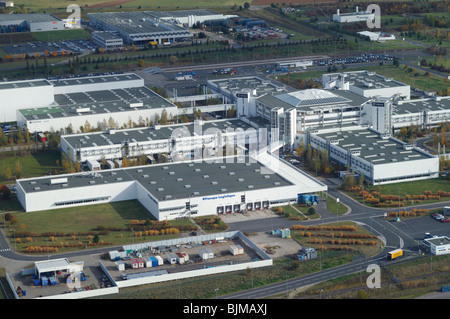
[154,261]
[445,288]
[137,263]
[172,259]
[52,281]
[180,258]
[206,253]
[44,281]
[236,250]
[160,260]
[120,265]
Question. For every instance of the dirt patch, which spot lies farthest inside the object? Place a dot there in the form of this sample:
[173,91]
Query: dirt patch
[275,246]
[109,4]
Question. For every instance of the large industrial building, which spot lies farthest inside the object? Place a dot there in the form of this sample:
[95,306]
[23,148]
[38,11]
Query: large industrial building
[138,28]
[382,159]
[178,189]
[33,22]
[109,101]
[367,84]
[178,141]
[141,27]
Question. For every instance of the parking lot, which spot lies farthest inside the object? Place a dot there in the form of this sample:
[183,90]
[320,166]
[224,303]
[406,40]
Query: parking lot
[54,48]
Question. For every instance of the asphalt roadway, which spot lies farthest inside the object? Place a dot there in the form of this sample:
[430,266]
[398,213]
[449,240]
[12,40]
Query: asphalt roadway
[404,234]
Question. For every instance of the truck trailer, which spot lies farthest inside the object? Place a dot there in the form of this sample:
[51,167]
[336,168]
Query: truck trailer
[394,254]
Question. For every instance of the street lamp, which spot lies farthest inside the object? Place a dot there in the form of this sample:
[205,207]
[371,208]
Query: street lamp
[337,209]
[216,289]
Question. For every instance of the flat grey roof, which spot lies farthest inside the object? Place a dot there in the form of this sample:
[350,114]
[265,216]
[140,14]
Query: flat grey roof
[173,180]
[368,80]
[184,180]
[95,102]
[236,84]
[145,134]
[182,13]
[418,106]
[23,84]
[439,241]
[373,148]
[95,79]
[31,17]
[137,22]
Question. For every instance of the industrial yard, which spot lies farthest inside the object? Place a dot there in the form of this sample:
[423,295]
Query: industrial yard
[193,259]
[106,273]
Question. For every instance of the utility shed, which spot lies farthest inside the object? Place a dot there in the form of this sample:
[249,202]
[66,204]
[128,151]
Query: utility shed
[52,266]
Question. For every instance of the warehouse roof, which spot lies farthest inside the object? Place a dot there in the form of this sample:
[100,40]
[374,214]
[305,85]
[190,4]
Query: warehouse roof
[209,179]
[183,13]
[95,102]
[146,134]
[370,146]
[367,79]
[31,17]
[213,177]
[418,106]
[251,83]
[137,22]
[95,79]
[24,84]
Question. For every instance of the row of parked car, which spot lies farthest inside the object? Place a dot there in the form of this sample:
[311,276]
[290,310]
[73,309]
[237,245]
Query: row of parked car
[356,59]
[441,218]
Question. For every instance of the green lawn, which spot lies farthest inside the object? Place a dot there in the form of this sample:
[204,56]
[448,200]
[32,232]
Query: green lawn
[78,221]
[58,35]
[408,188]
[32,165]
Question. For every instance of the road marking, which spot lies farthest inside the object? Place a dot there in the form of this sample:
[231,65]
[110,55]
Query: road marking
[2,250]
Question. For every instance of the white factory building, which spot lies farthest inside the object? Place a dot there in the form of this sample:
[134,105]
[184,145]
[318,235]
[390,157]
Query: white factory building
[176,190]
[33,22]
[356,16]
[178,141]
[111,101]
[366,83]
[382,159]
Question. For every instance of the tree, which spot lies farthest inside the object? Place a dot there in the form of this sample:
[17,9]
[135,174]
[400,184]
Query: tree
[18,170]
[8,172]
[246,5]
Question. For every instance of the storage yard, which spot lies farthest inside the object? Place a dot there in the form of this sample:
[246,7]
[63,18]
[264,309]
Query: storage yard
[139,264]
[180,258]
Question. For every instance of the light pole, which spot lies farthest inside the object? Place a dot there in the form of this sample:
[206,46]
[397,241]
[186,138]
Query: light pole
[216,289]
[337,209]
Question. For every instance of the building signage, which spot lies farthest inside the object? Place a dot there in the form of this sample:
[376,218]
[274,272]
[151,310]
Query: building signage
[218,197]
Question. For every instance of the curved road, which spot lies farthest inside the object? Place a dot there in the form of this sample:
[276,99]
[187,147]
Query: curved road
[392,235]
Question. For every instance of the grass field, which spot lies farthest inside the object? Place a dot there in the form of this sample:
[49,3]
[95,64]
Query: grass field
[32,165]
[78,221]
[408,188]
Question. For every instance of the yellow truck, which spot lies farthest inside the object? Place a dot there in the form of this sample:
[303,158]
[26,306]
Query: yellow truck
[394,254]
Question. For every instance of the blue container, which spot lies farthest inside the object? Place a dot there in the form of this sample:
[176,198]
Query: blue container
[52,281]
[44,281]
[36,282]
[154,261]
[445,288]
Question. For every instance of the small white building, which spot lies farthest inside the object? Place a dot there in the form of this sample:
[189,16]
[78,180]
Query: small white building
[356,16]
[377,36]
[439,245]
